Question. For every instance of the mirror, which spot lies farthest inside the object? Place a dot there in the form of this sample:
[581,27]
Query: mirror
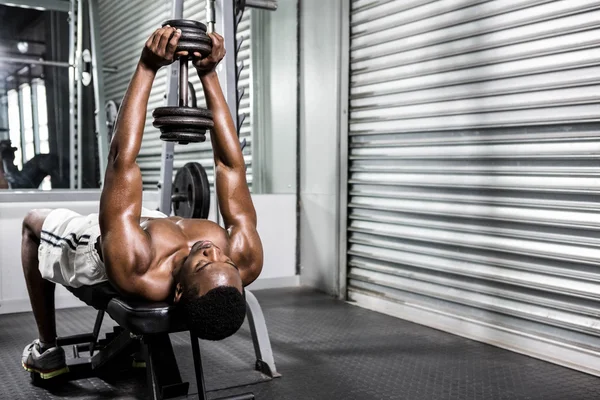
[48,133]
[57,116]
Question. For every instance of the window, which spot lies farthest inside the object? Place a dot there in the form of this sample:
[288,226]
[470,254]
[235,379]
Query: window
[42,117]
[23,112]
[28,146]
[14,125]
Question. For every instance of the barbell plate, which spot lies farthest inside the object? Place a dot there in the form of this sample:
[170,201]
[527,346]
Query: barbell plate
[191,192]
[182,122]
[182,111]
[183,137]
[187,23]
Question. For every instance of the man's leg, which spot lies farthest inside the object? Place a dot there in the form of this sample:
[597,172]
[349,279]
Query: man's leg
[41,291]
[40,356]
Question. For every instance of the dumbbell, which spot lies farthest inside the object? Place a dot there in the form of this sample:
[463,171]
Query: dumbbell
[184,124]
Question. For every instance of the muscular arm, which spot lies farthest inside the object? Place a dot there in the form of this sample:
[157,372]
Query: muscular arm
[234,197]
[126,247]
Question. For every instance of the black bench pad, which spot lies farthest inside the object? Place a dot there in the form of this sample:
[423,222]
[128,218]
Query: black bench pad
[143,317]
[137,316]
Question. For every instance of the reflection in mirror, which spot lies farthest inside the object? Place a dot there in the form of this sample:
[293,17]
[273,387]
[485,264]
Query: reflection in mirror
[50,137]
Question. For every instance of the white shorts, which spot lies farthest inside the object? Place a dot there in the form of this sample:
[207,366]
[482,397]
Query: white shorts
[67,253]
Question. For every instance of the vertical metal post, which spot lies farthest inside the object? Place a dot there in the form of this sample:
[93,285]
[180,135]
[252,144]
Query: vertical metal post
[98,82]
[343,104]
[4,128]
[225,10]
[73,111]
[165,182]
[225,15]
[35,120]
[78,62]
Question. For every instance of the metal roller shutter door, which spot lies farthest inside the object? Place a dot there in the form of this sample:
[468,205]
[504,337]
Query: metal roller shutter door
[125,26]
[473,172]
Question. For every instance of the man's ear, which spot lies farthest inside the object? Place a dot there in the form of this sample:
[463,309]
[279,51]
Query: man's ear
[178,293]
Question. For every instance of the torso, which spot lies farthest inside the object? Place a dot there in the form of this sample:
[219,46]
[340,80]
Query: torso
[170,241]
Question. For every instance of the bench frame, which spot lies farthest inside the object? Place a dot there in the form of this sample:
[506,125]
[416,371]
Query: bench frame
[112,354]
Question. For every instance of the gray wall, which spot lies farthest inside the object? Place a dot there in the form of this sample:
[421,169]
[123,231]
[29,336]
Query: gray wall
[320,128]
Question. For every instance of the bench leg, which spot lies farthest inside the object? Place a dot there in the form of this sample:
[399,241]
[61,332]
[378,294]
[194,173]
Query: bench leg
[265,362]
[198,367]
[162,372]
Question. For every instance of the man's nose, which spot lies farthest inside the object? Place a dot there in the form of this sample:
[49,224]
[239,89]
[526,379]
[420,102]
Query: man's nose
[211,252]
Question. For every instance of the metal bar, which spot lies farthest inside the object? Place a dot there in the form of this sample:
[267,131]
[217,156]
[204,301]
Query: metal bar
[120,343]
[262,4]
[344,103]
[50,63]
[75,339]
[33,61]
[56,5]
[198,367]
[98,82]
[73,111]
[96,332]
[78,130]
[210,16]
[165,182]
[225,13]
[183,82]
[4,131]
[265,362]
[22,125]
[161,360]
[35,122]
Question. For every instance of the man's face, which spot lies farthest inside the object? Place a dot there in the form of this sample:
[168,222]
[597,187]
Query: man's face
[207,267]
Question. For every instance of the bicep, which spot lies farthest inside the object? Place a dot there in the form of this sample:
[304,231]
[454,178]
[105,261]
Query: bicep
[124,242]
[121,194]
[125,249]
[235,202]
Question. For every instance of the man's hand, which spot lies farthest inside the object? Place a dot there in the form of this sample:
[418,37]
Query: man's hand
[159,50]
[209,63]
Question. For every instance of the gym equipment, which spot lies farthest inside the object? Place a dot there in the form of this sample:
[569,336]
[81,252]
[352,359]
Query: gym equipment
[141,341]
[191,192]
[185,124]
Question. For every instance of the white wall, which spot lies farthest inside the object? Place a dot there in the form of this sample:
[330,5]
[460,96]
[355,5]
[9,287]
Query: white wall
[276,226]
[320,77]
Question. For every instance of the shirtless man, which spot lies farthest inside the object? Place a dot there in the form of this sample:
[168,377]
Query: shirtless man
[193,263]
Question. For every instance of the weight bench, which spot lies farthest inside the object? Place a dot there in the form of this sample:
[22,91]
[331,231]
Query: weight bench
[141,339]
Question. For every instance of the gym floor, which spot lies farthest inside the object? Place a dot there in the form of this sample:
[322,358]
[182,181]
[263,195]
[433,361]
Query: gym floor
[324,349]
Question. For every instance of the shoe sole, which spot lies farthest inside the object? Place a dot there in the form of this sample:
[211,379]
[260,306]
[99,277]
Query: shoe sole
[46,374]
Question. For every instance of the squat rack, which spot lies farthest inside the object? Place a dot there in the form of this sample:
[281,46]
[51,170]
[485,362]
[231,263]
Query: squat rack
[228,13]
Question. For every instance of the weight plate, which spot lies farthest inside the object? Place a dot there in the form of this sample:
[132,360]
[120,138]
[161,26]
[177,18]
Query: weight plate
[193,47]
[185,23]
[191,192]
[193,36]
[174,121]
[182,111]
[183,137]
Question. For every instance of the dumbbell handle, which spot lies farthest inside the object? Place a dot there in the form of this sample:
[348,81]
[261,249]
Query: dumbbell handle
[178,197]
[183,81]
